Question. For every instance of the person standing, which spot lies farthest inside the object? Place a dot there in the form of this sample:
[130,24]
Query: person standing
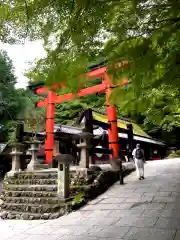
[138,156]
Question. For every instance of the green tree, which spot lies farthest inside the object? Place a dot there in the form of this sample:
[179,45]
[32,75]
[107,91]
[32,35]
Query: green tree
[16,104]
[157,111]
[146,33]
[140,31]
[33,118]
[9,100]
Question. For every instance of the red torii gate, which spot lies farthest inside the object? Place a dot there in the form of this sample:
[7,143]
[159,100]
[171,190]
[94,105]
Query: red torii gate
[52,99]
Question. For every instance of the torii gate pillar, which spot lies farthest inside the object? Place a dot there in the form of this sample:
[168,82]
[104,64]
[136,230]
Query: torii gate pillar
[50,115]
[111,112]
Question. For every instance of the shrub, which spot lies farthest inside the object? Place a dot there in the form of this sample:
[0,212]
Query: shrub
[178,152]
[173,155]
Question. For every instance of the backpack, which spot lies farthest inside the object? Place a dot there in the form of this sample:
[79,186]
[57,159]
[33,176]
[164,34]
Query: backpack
[139,154]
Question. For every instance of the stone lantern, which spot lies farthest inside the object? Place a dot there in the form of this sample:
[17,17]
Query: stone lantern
[34,149]
[64,161]
[15,153]
[84,145]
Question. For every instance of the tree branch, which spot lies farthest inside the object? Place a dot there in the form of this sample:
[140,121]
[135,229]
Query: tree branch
[27,15]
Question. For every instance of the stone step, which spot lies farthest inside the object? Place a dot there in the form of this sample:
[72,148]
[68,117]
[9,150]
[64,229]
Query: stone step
[33,175]
[33,200]
[47,174]
[44,174]
[49,170]
[40,166]
[28,193]
[31,181]
[32,216]
[33,208]
[11,187]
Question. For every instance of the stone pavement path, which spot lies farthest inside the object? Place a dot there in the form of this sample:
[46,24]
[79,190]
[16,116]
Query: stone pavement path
[139,210]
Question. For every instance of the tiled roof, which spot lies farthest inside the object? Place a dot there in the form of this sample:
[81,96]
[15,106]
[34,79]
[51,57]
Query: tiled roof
[100,131]
[121,124]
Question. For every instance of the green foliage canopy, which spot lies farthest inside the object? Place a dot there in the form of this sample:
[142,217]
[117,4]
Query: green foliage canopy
[15,104]
[77,32]
[143,32]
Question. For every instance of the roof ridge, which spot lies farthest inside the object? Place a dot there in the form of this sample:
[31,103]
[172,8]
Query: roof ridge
[119,118]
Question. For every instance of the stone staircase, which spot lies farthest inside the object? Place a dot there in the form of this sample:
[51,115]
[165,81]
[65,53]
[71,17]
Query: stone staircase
[32,195]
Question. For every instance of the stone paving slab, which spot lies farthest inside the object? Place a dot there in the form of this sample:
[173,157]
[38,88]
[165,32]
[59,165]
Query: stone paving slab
[112,200]
[158,194]
[171,223]
[126,212]
[138,210]
[109,206]
[140,199]
[148,205]
[134,221]
[175,194]
[152,213]
[168,199]
[149,234]
[112,232]
[170,214]
[172,206]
